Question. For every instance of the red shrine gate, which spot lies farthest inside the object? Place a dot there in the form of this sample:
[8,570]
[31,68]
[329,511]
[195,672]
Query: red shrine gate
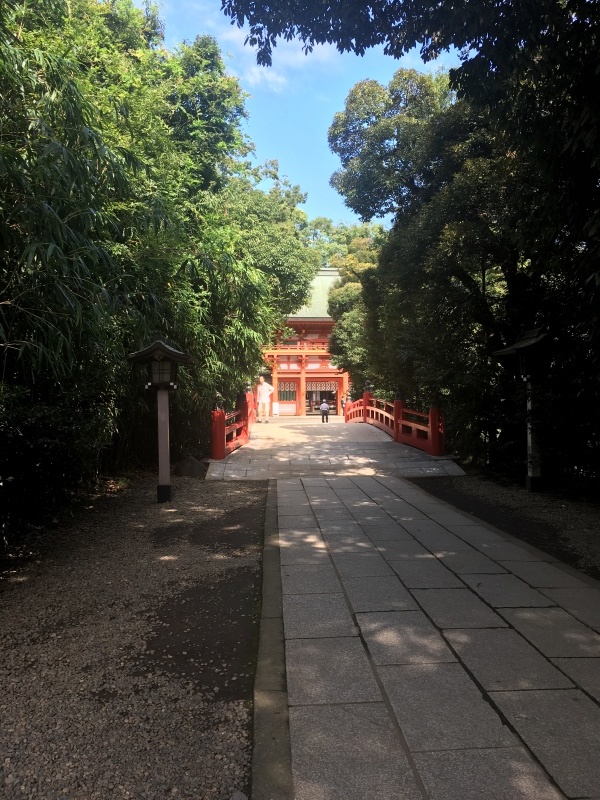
[301,370]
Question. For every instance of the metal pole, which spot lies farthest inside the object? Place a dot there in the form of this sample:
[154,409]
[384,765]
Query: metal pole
[163,494]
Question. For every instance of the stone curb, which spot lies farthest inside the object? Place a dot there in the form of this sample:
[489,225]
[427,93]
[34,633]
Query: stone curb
[271,754]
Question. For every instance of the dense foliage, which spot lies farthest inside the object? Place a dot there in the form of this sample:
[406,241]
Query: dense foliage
[495,187]
[349,342]
[465,269]
[496,197]
[128,212]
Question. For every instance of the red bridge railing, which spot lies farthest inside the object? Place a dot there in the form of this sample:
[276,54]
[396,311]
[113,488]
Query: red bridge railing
[231,429]
[404,425]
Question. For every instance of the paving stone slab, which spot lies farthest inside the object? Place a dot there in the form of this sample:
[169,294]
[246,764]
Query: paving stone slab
[422,526]
[542,575]
[298,552]
[398,549]
[439,707]
[319,501]
[475,533]
[405,517]
[391,531]
[350,752]
[313,616]
[289,509]
[507,551]
[452,468]
[330,514]
[425,573]
[301,537]
[500,659]
[457,608]
[371,519]
[306,522]
[349,543]
[309,579]
[356,565]
[381,593]
[321,671]
[351,493]
[562,728]
[340,527]
[585,672]
[443,541]
[554,632]
[583,603]
[507,773]
[324,492]
[388,501]
[506,591]
[472,563]
[448,516]
[340,483]
[403,637]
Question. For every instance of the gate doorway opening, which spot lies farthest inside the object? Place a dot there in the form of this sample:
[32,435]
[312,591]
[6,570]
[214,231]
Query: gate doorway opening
[317,391]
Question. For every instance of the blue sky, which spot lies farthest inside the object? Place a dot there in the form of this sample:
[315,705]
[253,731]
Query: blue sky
[291,104]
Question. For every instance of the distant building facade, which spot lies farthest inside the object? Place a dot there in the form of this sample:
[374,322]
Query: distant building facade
[301,370]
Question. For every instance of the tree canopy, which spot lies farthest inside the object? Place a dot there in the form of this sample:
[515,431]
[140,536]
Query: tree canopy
[530,64]
[470,262]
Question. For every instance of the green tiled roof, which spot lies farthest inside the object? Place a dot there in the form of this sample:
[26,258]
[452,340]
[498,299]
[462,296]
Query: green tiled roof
[316,308]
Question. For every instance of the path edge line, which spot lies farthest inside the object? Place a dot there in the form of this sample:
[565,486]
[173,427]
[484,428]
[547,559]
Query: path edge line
[271,750]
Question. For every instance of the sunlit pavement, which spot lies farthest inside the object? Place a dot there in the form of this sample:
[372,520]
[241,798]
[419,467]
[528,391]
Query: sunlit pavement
[306,447]
[427,655]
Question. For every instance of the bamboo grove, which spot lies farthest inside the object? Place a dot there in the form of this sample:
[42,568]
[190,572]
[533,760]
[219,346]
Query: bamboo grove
[128,211]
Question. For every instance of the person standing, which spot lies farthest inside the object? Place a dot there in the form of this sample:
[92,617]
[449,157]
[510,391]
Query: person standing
[263,398]
[324,411]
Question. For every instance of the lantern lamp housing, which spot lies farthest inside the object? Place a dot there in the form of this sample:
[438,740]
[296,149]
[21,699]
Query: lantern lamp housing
[531,352]
[162,362]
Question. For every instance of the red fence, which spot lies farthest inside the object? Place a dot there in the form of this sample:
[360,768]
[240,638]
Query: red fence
[231,430]
[404,425]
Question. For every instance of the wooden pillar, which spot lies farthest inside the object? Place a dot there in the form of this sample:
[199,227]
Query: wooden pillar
[251,408]
[242,406]
[302,398]
[534,467]
[163,492]
[367,397]
[436,432]
[217,443]
[398,409]
[275,378]
[275,384]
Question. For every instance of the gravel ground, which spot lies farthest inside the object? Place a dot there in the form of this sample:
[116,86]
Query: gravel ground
[128,646]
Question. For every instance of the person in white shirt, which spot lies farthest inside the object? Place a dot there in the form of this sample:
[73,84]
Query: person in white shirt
[324,411]
[264,391]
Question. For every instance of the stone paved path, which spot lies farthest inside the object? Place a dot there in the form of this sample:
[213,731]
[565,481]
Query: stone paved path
[296,447]
[427,655]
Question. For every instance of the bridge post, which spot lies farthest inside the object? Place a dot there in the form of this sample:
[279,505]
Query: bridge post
[217,435]
[242,406]
[367,397]
[399,407]
[436,432]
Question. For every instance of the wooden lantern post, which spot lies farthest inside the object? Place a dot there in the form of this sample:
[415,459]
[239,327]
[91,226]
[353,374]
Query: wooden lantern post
[530,350]
[162,361]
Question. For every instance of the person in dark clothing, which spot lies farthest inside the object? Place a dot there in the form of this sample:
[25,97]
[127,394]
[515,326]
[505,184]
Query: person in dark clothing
[324,411]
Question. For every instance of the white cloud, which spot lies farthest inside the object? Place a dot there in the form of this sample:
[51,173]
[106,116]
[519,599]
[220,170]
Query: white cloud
[264,76]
